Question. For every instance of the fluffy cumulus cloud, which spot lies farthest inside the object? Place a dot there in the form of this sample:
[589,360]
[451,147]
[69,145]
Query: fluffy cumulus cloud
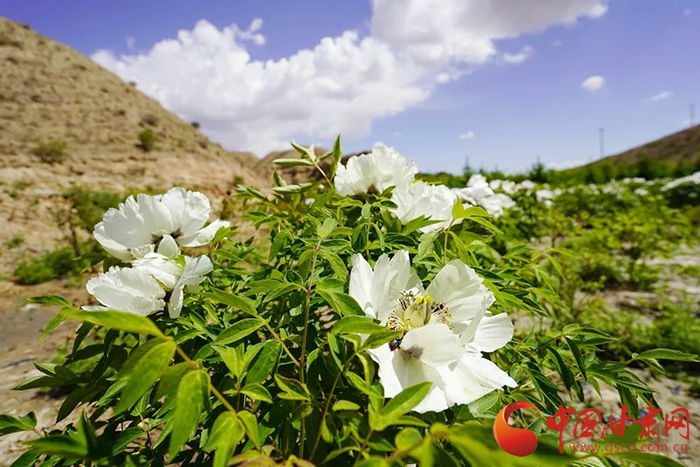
[468,135]
[660,96]
[343,83]
[593,83]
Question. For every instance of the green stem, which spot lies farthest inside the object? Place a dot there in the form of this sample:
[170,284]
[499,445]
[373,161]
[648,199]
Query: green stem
[302,359]
[284,347]
[328,404]
[364,445]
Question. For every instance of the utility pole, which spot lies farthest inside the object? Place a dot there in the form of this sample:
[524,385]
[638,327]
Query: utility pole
[601,133]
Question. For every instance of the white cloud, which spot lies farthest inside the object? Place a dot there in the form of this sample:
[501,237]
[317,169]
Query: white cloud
[468,135]
[593,83]
[557,43]
[130,42]
[342,84]
[687,12]
[660,96]
[515,59]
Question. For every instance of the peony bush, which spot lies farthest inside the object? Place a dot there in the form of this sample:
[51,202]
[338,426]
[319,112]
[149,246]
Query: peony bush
[366,323]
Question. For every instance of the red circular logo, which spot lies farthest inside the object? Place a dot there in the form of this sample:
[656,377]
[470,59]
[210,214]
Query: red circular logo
[519,442]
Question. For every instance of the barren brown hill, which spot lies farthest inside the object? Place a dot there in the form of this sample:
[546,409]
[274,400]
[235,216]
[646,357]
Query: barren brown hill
[50,94]
[680,147]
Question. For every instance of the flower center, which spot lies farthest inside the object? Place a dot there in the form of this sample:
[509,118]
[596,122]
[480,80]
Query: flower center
[414,311]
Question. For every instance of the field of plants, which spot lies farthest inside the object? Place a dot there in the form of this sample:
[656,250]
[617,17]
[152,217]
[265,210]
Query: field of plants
[376,317]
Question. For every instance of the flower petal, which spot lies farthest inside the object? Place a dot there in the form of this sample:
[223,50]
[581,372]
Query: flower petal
[203,236]
[410,371]
[433,344]
[493,332]
[129,290]
[361,277]
[168,247]
[390,279]
[460,289]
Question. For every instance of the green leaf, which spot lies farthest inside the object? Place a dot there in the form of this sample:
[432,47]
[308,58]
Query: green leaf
[53,324]
[28,459]
[257,392]
[345,405]
[324,230]
[251,427]
[666,354]
[293,162]
[145,373]
[379,338]
[238,330]
[337,264]
[119,320]
[577,356]
[226,433]
[292,389]
[236,302]
[460,212]
[264,363]
[171,378]
[191,396]
[60,446]
[10,424]
[125,437]
[357,325]
[399,405]
[341,302]
[233,359]
[407,439]
[50,300]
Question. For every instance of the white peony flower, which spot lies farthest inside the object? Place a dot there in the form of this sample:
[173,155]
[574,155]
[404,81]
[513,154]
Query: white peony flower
[129,290]
[139,222]
[379,170]
[193,274]
[480,193]
[544,196]
[174,272]
[421,199]
[506,186]
[526,185]
[445,328]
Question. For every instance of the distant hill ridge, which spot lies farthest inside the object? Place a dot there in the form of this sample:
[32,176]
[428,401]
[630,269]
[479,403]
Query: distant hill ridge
[52,93]
[682,147]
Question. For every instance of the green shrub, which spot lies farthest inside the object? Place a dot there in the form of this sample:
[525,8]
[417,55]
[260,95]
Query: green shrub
[16,240]
[148,140]
[51,151]
[90,206]
[56,264]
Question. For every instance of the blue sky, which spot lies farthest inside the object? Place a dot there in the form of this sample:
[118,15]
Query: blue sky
[507,79]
